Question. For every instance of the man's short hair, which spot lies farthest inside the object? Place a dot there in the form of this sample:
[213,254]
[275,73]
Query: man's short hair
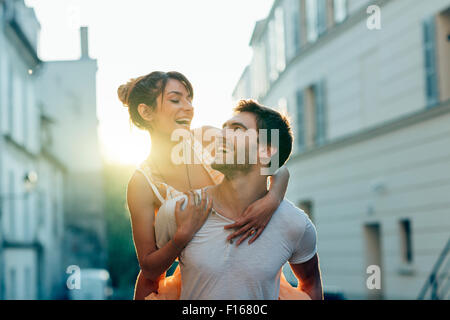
[267,118]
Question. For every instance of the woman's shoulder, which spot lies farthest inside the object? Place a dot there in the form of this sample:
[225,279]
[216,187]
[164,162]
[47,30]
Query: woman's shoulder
[137,188]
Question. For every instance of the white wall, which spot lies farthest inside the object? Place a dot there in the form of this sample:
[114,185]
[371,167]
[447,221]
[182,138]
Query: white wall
[368,78]
[20,153]
[414,166]
[67,93]
[373,77]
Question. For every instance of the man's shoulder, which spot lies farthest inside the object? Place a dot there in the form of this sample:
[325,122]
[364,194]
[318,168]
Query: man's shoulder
[291,216]
[295,225]
[287,208]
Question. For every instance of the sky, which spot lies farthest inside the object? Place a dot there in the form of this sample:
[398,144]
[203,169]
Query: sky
[206,40]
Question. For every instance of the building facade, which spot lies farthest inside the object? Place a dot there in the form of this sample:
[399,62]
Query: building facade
[37,193]
[366,85]
[72,135]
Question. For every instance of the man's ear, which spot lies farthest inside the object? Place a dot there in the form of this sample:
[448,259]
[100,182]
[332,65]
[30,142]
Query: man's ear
[145,112]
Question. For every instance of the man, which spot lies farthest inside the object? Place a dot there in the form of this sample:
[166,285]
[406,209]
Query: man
[213,268]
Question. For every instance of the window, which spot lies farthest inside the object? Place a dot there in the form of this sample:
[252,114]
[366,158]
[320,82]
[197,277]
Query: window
[26,218]
[27,284]
[11,289]
[406,241]
[320,113]
[315,115]
[41,209]
[55,217]
[12,207]
[372,232]
[311,116]
[272,52]
[307,206]
[279,36]
[309,121]
[276,51]
[4,92]
[322,16]
[25,111]
[340,10]
[443,54]
[316,18]
[429,31]
[10,102]
[258,71]
[296,29]
[293,35]
[300,119]
[311,20]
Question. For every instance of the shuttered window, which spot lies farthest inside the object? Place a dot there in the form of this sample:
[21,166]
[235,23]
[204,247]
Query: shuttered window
[311,20]
[431,82]
[11,102]
[340,10]
[320,113]
[300,136]
[297,31]
[321,16]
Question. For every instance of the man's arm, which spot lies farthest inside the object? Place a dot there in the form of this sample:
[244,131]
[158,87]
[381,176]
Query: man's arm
[309,278]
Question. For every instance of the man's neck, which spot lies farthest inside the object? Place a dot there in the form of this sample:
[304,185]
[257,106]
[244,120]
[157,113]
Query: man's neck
[235,194]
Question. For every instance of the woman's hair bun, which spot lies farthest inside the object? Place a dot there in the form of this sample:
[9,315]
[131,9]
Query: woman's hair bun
[124,91]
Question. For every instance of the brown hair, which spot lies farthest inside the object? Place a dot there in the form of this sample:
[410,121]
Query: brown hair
[146,89]
[267,118]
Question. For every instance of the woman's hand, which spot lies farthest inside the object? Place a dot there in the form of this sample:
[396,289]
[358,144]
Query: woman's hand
[254,219]
[192,218]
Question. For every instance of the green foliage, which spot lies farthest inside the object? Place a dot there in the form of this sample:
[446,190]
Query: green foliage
[122,262]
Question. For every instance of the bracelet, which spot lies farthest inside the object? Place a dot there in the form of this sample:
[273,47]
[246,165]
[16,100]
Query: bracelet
[176,247]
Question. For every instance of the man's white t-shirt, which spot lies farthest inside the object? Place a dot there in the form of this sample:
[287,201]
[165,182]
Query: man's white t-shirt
[213,268]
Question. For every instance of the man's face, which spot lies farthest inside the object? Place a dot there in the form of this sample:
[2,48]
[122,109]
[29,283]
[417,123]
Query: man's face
[237,146]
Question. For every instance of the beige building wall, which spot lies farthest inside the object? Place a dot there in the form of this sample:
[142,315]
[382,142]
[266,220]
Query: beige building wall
[398,174]
[386,156]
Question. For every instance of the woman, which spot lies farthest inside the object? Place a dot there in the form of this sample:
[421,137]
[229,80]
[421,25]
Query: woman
[161,103]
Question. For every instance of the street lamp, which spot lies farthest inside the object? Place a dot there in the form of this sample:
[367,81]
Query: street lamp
[30,181]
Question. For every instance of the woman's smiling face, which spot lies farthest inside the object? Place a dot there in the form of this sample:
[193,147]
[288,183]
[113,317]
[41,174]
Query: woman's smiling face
[174,109]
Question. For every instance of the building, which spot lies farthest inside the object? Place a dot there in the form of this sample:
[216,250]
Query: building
[38,194]
[370,110]
[71,133]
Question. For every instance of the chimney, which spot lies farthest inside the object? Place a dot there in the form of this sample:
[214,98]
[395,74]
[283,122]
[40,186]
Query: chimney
[84,43]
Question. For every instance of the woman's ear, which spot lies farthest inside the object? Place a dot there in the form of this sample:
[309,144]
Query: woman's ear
[145,112]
